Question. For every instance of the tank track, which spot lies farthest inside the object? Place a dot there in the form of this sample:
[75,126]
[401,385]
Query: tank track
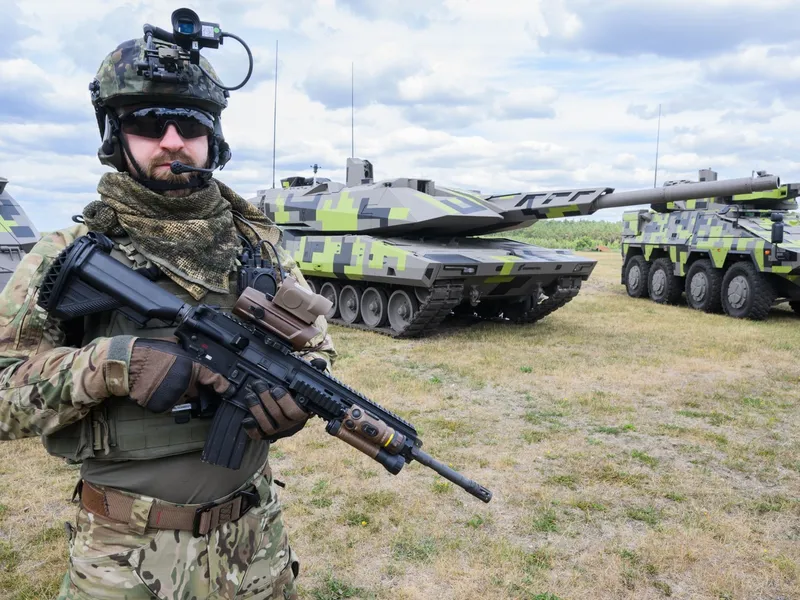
[552,303]
[444,297]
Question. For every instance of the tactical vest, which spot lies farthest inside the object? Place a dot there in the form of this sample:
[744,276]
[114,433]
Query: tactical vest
[118,428]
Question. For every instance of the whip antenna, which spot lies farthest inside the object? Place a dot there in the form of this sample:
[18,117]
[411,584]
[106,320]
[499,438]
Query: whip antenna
[275,114]
[352,113]
[658,136]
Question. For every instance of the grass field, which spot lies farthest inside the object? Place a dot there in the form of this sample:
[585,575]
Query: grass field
[634,451]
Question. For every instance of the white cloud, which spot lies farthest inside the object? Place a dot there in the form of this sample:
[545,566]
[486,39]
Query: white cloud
[493,95]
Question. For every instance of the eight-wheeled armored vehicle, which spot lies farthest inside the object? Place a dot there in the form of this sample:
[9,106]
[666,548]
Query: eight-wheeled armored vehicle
[399,255]
[738,252]
[17,234]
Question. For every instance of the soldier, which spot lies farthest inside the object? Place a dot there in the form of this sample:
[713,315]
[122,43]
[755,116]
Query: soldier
[154,521]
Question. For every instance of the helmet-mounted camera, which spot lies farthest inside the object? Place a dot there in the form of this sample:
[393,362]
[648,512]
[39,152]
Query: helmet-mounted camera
[168,54]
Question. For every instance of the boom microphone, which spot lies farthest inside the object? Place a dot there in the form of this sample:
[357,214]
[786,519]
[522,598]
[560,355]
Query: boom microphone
[177,167]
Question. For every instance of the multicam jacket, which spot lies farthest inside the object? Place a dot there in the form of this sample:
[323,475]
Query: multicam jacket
[44,384]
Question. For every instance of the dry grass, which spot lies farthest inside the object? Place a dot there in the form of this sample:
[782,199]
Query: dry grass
[634,451]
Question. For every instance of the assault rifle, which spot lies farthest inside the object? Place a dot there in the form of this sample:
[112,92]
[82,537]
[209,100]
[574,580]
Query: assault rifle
[255,342]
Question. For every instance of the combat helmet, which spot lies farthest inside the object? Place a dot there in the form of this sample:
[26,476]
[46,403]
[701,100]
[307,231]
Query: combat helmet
[120,83]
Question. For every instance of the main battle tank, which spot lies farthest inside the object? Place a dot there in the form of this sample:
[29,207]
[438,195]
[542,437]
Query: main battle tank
[17,234]
[737,253]
[399,255]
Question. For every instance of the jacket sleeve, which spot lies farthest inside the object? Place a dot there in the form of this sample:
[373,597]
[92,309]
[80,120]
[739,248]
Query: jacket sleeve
[321,345]
[45,385]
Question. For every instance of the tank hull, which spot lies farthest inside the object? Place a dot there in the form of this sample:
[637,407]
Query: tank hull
[483,278]
[718,261]
[17,234]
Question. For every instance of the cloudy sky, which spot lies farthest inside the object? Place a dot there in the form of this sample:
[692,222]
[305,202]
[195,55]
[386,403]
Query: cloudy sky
[495,95]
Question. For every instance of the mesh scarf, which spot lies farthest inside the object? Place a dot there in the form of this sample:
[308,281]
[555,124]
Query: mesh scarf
[192,238]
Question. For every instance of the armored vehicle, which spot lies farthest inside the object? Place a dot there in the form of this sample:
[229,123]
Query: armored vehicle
[17,234]
[399,255]
[738,253]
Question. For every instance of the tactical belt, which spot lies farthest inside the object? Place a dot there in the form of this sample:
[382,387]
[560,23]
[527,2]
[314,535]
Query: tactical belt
[199,519]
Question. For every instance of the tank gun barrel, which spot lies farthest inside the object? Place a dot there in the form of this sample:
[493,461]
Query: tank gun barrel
[689,191]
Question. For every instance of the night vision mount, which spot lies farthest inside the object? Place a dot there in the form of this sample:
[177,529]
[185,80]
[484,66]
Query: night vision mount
[167,61]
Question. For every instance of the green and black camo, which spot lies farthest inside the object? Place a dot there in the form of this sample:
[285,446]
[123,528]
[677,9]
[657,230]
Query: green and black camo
[718,251]
[17,234]
[119,83]
[399,255]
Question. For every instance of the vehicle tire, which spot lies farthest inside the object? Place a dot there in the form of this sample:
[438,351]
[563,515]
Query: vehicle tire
[312,285]
[663,286]
[402,310]
[350,304]
[636,275]
[703,287]
[746,293]
[374,307]
[795,304]
[330,291]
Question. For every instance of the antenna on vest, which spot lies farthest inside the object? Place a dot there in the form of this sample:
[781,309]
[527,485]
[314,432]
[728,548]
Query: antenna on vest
[275,115]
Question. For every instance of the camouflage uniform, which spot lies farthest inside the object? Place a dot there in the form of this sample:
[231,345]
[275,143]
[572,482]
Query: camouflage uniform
[48,386]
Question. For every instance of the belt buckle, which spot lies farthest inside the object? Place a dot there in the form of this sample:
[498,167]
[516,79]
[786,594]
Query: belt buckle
[250,498]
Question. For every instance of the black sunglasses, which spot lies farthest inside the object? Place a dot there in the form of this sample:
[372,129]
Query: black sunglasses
[152,122]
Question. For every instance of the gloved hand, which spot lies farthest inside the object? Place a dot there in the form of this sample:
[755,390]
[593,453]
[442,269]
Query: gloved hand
[161,374]
[275,413]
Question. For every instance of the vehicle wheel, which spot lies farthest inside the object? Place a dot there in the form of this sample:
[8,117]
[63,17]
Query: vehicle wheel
[350,304]
[703,287]
[312,285]
[664,287]
[746,293]
[330,291]
[374,307]
[636,272]
[402,310]
[422,294]
[795,304]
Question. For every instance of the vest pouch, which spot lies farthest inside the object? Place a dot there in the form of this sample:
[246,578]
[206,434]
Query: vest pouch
[136,433]
[80,440]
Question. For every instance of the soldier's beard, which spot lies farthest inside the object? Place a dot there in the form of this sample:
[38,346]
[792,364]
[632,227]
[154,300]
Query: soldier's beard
[154,172]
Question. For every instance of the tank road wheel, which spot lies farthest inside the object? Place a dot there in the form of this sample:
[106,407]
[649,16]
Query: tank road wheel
[350,304]
[746,293]
[703,286]
[374,307]
[312,285]
[795,305]
[422,294]
[636,272]
[330,291]
[402,310]
[664,287]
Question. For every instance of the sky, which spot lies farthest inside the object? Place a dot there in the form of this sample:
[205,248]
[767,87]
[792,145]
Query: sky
[501,96]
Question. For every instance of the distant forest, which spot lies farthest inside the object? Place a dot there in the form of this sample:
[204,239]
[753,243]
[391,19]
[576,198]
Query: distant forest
[573,235]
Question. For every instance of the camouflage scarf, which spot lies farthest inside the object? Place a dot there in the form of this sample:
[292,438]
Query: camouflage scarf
[192,238]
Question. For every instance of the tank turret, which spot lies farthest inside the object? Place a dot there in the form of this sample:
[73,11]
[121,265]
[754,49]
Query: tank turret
[17,234]
[399,255]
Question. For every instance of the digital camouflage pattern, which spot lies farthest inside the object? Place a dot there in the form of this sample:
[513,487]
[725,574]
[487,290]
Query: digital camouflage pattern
[721,232]
[119,83]
[249,559]
[399,255]
[17,233]
[193,240]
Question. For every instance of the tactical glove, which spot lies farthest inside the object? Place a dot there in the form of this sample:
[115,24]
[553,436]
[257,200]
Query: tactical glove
[161,374]
[275,413]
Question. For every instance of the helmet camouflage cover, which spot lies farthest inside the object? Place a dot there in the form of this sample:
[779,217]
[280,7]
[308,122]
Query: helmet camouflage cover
[118,83]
